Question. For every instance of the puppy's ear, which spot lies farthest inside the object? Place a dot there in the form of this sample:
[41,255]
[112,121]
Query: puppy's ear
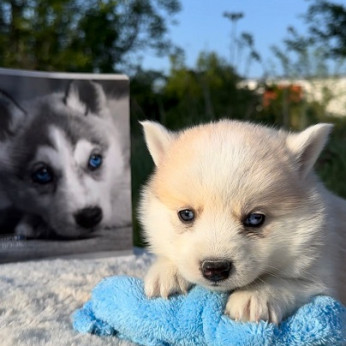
[12,116]
[307,145]
[86,97]
[157,138]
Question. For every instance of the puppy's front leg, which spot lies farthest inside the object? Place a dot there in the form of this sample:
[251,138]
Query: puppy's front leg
[270,300]
[163,279]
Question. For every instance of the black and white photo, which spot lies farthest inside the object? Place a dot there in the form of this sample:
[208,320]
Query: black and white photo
[64,164]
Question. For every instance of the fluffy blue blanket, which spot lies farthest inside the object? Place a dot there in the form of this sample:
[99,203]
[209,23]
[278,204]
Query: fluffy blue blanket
[118,307]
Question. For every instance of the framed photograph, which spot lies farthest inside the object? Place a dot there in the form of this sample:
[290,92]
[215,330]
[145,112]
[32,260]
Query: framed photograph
[65,184]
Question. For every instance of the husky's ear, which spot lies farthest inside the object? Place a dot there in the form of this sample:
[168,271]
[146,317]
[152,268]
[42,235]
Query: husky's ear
[307,145]
[12,116]
[86,97]
[157,138]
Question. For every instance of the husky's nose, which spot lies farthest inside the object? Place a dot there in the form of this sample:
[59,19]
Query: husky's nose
[88,217]
[216,270]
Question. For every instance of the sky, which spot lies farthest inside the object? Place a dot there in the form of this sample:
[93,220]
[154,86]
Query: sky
[202,27]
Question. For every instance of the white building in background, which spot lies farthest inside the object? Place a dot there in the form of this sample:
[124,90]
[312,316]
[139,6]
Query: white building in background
[330,91]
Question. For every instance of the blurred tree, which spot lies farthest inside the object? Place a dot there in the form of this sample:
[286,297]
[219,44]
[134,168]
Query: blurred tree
[233,17]
[308,60]
[77,35]
[246,41]
[322,51]
[208,92]
[326,23]
[239,44]
[302,63]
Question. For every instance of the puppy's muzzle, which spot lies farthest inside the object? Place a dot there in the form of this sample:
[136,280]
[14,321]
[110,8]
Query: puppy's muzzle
[88,217]
[216,270]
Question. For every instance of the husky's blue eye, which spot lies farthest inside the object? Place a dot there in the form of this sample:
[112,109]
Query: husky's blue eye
[95,162]
[254,220]
[42,175]
[186,215]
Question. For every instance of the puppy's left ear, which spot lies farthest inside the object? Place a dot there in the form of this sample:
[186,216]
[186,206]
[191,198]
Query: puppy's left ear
[12,116]
[307,145]
[157,138]
[85,97]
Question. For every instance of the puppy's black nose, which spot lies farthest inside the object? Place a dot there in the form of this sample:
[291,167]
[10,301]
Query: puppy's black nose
[88,217]
[216,270]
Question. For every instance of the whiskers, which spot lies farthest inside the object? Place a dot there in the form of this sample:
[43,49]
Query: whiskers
[276,273]
[271,272]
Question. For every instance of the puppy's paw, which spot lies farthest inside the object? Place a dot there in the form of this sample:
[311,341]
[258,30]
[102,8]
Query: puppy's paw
[253,306]
[25,230]
[30,227]
[163,280]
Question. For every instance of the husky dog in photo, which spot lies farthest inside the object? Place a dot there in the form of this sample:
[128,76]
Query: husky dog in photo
[61,164]
[236,207]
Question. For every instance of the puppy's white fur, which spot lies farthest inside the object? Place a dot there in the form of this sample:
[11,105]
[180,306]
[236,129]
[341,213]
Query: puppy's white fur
[224,171]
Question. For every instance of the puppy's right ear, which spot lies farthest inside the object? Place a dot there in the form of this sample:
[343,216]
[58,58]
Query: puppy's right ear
[85,96]
[157,138]
[307,145]
[12,116]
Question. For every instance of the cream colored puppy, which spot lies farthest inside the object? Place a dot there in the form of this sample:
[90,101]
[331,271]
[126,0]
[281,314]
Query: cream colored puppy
[236,207]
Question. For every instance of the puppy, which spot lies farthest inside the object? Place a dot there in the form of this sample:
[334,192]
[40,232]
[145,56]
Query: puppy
[62,169]
[236,207]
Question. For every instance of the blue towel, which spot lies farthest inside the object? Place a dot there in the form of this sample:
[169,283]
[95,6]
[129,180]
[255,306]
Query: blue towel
[119,307]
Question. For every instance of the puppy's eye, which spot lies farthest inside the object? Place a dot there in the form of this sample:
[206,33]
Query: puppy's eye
[254,220]
[186,215]
[42,175]
[95,161]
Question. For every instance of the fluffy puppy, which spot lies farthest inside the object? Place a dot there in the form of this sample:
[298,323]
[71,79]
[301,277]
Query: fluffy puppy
[236,207]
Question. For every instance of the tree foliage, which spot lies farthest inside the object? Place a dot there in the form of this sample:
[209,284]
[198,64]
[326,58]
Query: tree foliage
[186,96]
[240,44]
[309,58]
[208,92]
[77,35]
[321,51]
[326,23]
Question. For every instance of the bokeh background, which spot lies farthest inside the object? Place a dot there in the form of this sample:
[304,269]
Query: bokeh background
[275,62]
